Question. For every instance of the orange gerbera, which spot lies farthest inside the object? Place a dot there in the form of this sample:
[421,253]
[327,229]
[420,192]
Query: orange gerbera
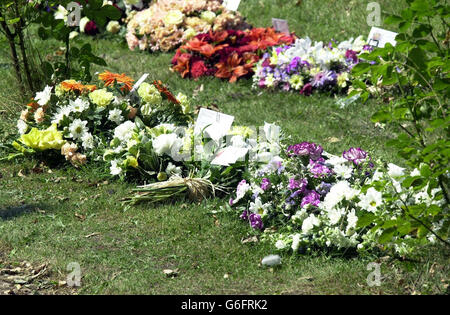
[72,85]
[162,89]
[232,69]
[109,79]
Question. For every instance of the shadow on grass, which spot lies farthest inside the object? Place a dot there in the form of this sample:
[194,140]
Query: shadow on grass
[14,212]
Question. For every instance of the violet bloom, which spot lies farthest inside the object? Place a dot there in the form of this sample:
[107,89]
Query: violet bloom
[244,215]
[265,184]
[319,169]
[256,221]
[324,188]
[356,155]
[312,198]
[266,63]
[306,148]
[293,64]
[307,89]
[315,151]
[324,79]
[297,184]
[351,55]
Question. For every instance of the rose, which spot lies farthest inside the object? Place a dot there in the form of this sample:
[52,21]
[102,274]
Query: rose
[208,16]
[91,28]
[164,143]
[149,94]
[113,27]
[173,17]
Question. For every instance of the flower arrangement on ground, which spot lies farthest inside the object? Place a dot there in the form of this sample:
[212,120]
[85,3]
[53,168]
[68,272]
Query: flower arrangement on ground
[166,24]
[226,54]
[309,199]
[306,67]
[81,120]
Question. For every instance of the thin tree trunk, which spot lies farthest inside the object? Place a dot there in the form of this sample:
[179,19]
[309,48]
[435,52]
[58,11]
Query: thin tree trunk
[10,36]
[19,31]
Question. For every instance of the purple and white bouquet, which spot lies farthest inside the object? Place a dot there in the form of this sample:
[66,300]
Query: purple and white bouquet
[306,67]
[308,199]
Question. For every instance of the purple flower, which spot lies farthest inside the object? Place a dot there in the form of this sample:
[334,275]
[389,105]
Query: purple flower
[351,55]
[319,169]
[293,64]
[297,184]
[244,215]
[230,202]
[306,90]
[324,188]
[312,198]
[324,79]
[356,155]
[266,63]
[265,184]
[305,148]
[256,221]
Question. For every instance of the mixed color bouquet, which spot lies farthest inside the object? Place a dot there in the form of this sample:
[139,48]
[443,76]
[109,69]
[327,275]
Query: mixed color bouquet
[226,54]
[306,67]
[166,24]
[308,199]
[81,120]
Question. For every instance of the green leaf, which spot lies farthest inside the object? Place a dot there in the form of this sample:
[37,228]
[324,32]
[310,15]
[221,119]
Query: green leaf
[386,236]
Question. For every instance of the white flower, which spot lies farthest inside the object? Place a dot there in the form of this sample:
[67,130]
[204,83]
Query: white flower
[124,132]
[343,171]
[22,126]
[280,244]
[43,97]
[352,219]
[115,169]
[61,13]
[295,242]
[371,200]
[309,223]
[340,191]
[335,215]
[173,170]
[258,207]
[78,129]
[299,216]
[78,105]
[165,143]
[272,132]
[60,114]
[83,22]
[395,171]
[115,115]
[88,141]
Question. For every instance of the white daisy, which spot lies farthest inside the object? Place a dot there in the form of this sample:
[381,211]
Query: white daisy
[115,115]
[78,105]
[371,200]
[43,97]
[22,126]
[78,129]
[88,141]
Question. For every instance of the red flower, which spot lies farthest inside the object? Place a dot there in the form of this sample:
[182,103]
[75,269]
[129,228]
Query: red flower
[182,65]
[198,69]
[91,28]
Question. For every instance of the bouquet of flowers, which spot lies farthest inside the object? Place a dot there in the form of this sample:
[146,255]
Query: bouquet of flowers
[309,199]
[90,27]
[166,24]
[226,54]
[81,120]
[306,67]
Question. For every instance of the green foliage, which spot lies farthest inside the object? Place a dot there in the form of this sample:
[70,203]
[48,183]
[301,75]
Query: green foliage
[414,76]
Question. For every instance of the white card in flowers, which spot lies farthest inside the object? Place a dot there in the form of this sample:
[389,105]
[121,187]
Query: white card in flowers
[280,25]
[229,156]
[231,5]
[212,123]
[379,37]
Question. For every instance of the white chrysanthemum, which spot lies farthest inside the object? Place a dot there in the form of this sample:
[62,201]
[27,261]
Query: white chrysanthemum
[124,132]
[43,97]
[335,215]
[115,168]
[371,200]
[280,244]
[88,141]
[395,171]
[309,223]
[79,105]
[60,114]
[340,191]
[295,242]
[173,170]
[78,129]
[343,171]
[115,115]
[22,126]
[165,143]
[352,219]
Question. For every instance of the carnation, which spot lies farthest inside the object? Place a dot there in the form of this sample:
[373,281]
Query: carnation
[125,131]
[149,93]
[101,97]
[164,143]
[115,115]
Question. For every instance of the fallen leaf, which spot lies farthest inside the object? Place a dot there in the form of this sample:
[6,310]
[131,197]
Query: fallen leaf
[92,234]
[81,217]
[21,174]
[252,239]
[307,278]
[170,273]
[332,139]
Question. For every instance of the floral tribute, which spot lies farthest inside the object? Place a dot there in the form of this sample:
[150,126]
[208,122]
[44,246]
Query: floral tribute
[226,54]
[166,24]
[309,199]
[80,120]
[306,67]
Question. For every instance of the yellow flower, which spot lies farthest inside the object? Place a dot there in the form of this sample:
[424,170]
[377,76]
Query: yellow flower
[243,131]
[131,162]
[47,139]
[342,79]
[208,16]
[189,33]
[101,97]
[149,94]
[173,17]
[296,81]
[113,27]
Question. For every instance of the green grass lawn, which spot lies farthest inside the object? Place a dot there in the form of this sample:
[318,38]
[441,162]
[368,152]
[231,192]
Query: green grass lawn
[66,215]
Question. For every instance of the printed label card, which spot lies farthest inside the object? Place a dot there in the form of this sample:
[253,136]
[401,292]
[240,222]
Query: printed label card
[280,25]
[379,37]
[231,5]
[216,125]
